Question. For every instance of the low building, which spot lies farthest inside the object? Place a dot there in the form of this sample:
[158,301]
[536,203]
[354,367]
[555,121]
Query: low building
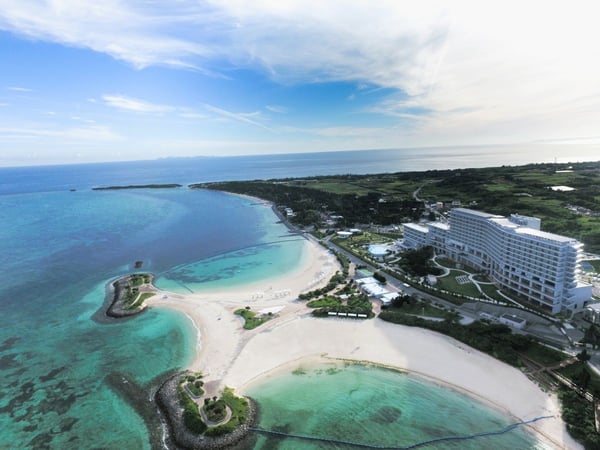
[387,299]
[431,280]
[378,251]
[371,287]
[512,321]
[592,313]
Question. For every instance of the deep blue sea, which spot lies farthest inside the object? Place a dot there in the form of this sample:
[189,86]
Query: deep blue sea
[59,249]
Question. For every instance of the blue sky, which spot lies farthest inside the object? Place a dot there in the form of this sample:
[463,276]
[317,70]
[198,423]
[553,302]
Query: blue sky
[132,79]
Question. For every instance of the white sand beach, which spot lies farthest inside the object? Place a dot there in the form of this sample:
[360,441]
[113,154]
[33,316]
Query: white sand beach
[228,355]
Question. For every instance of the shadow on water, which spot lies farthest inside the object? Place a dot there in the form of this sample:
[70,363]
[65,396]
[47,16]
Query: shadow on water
[141,399]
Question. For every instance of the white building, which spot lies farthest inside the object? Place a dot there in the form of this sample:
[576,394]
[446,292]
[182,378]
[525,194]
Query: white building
[514,253]
[378,251]
[371,287]
[512,321]
[592,313]
[415,236]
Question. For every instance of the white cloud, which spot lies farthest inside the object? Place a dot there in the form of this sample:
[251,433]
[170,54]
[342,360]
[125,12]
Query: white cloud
[87,133]
[277,109]
[18,89]
[240,117]
[140,33]
[464,71]
[134,104]
[192,115]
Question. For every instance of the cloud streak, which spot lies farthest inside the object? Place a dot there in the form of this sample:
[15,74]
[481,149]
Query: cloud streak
[86,133]
[462,72]
[239,117]
[18,89]
[134,104]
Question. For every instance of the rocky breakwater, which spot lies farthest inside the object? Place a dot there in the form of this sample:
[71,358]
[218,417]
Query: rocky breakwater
[169,400]
[129,293]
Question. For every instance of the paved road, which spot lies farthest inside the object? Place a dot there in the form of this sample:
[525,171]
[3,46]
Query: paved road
[541,329]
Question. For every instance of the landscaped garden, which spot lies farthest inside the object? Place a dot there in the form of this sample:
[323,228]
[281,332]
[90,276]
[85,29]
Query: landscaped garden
[251,318]
[215,409]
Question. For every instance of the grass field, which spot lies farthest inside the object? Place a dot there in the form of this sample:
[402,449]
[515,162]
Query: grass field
[449,283]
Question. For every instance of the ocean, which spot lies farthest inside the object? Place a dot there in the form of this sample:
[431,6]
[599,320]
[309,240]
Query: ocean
[58,250]
[375,406]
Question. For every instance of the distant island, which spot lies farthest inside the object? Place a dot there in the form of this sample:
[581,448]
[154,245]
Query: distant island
[137,186]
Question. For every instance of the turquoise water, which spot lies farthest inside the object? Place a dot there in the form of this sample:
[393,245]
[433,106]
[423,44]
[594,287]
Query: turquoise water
[58,250]
[278,252]
[376,406]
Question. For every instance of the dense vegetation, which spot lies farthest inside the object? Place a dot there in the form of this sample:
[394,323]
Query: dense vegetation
[251,320]
[191,414]
[137,186]
[579,417]
[309,204]
[407,304]
[418,262]
[239,413]
[194,384]
[215,410]
[592,335]
[388,198]
[131,295]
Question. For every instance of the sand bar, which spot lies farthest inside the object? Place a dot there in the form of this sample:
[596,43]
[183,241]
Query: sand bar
[228,355]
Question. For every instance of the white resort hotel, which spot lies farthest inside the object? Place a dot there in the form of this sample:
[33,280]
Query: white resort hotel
[513,252]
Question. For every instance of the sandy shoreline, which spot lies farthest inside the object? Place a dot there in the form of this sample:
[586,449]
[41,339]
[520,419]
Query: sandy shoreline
[231,356]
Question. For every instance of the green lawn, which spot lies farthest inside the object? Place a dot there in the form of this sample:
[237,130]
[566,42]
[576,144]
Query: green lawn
[449,283]
[492,291]
[137,303]
[596,264]
[422,309]
[250,319]
[324,302]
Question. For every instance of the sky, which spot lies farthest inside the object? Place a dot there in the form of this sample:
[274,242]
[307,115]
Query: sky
[117,80]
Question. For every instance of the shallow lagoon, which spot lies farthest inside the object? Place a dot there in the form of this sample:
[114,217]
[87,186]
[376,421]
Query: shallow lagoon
[375,406]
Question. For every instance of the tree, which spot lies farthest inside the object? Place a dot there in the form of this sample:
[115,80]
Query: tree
[592,335]
[379,277]
[583,356]
[400,300]
[582,379]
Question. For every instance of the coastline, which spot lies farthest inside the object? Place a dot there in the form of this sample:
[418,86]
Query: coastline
[237,358]
[334,342]
[230,356]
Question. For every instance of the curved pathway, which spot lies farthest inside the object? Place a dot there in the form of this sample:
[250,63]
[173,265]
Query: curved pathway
[470,275]
[210,423]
